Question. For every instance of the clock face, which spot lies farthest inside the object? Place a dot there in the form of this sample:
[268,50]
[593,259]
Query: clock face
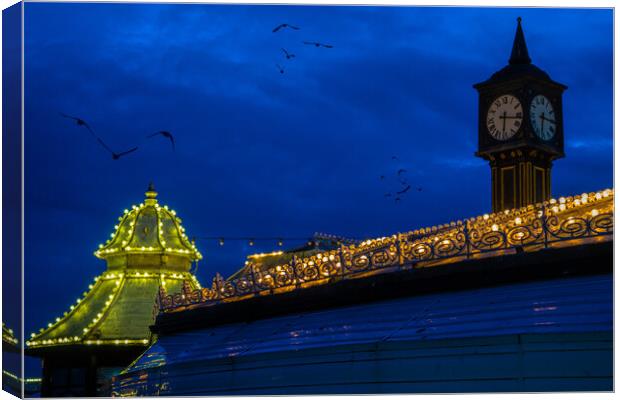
[504,117]
[542,117]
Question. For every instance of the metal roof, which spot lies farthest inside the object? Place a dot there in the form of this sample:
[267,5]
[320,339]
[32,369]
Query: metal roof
[577,304]
[117,310]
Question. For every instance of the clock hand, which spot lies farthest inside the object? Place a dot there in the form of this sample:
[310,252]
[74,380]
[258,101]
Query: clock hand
[547,119]
[504,122]
[542,122]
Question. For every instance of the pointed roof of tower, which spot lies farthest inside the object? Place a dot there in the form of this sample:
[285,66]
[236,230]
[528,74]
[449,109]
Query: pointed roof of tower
[147,250]
[519,53]
[519,65]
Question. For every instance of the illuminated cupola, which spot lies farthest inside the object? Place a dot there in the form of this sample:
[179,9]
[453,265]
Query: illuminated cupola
[149,236]
[147,250]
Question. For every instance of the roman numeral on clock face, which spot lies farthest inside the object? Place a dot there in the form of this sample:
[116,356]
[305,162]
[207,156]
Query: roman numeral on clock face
[504,117]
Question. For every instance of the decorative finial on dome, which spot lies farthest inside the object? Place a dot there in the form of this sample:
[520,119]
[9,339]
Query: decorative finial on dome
[519,53]
[151,194]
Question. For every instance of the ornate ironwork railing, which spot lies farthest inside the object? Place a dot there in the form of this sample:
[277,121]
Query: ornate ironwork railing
[550,224]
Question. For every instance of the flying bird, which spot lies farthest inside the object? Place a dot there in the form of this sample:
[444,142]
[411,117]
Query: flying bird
[287,54]
[116,156]
[317,44]
[79,122]
[382,177]
[397,199]
[277,28]
[280,68]
[419,189]
[400,171]
[165,134]
[404,190]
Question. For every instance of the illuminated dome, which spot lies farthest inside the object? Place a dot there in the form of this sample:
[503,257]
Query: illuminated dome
[148,229]
[147,251]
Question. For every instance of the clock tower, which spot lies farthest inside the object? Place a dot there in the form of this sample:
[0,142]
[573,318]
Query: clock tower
[520,129]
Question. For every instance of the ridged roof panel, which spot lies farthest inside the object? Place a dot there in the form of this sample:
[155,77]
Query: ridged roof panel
[117,309]
[578,304]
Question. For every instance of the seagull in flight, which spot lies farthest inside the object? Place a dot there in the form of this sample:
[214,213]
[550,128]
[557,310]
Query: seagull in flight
[277,28]
[280,68]
[287,54]
[81,122]
[165,134]
[115,155]
[404,190]
[317,44]
[400,171]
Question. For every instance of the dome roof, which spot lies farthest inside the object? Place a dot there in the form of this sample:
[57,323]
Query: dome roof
[149,228]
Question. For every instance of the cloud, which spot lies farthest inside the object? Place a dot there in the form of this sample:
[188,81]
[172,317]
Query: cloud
[261,153]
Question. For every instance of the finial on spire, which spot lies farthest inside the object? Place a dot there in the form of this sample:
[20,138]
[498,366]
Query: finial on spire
[151,194]
[519,53]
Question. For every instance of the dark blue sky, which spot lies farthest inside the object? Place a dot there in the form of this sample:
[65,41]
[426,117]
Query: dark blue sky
[261,153]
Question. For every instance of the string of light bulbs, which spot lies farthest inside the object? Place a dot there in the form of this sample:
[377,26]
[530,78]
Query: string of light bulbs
[279,240]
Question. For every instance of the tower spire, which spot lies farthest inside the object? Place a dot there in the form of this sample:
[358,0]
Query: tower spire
[519,53]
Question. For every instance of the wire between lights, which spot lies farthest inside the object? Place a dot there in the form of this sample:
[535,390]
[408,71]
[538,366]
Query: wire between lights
[252,240]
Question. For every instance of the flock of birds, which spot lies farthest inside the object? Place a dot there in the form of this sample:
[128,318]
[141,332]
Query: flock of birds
[397,194]
[405,186]
[116,155]
[287,54]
